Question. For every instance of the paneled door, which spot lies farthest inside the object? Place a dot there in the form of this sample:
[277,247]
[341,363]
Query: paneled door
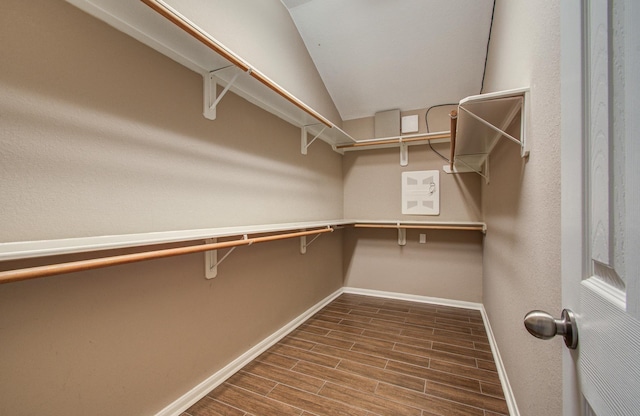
[600,177]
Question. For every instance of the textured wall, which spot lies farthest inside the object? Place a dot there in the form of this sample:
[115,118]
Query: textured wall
[102,135]
[522,204]
[108,137]
[372,186]
[449,265]
[263,34]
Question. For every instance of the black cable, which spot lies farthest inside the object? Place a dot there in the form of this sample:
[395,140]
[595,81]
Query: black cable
[486,56]
[484,73]
[426,115]
[426,121]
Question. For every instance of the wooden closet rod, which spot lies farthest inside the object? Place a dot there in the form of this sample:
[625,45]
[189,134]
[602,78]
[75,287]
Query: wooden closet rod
[213,44]
[76,266]
[454,126]
[394,141]
[424,227]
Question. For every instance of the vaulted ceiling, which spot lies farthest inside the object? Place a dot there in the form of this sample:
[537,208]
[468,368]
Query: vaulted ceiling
[376,55]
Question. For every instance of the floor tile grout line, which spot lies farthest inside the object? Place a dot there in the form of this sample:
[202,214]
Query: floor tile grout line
[332,400]
[280,401]
[463,389]
[425,394]
[402,352]
[371,412]
[442,398]
[428,380]
[234,406]
[263,395]
[417,355]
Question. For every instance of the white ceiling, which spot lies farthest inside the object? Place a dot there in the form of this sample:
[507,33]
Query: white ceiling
[376,55]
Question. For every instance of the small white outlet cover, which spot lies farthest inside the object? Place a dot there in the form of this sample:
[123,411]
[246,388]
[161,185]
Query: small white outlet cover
[421,192]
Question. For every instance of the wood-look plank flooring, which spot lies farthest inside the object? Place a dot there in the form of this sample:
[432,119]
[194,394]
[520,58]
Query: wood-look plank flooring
[364,355]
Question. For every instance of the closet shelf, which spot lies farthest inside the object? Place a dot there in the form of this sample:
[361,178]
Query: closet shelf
[403,226]
[185,242]
[482,120]
[158,25]
[433,225]
[43,248]
[409,139]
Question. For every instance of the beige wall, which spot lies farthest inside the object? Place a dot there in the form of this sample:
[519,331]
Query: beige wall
[372,185]
[449,265]
[102,135]
[132,339]
[364,128]
[522,204]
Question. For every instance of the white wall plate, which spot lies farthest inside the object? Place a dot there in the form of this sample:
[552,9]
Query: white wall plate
[421,192]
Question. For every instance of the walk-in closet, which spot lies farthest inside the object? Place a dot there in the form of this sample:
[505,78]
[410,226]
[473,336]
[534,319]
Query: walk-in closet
[269,207]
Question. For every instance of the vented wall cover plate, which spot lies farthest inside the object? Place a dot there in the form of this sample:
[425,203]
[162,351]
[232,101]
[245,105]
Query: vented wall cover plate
[421,192]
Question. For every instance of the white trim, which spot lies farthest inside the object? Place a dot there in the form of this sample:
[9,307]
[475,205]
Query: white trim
[572,211]
[198,392]
[516,92]
[502,372]
[614,296]
[413,298]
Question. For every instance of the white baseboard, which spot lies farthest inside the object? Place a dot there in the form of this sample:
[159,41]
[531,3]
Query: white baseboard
[414,298]
[504,380]
[198,392]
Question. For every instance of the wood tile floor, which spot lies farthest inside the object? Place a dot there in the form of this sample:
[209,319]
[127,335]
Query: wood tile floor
[363,355]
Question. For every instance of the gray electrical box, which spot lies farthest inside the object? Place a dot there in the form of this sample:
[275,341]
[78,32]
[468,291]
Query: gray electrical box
[387,124]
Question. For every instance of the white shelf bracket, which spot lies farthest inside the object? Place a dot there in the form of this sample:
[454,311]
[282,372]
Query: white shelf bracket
[210,89]
[211,261]
[404,153]
[304,244]
[304,145]
[524,150]
[402,236]
[468,169]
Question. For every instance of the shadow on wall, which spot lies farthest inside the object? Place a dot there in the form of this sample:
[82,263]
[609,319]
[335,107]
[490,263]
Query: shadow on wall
[92,67]
[107,136]
[467,186]
[502,203]
[507,155]
[131,339]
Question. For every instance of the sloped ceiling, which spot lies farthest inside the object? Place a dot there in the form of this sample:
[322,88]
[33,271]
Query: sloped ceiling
[376,55]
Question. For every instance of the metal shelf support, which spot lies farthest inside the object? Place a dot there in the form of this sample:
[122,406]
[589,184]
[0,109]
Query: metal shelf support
[402,236]
[404,153]
[304,143]
[304,244]
[211,101]
[211,261]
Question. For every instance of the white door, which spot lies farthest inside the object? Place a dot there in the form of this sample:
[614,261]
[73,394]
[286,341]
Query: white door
[601,204]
